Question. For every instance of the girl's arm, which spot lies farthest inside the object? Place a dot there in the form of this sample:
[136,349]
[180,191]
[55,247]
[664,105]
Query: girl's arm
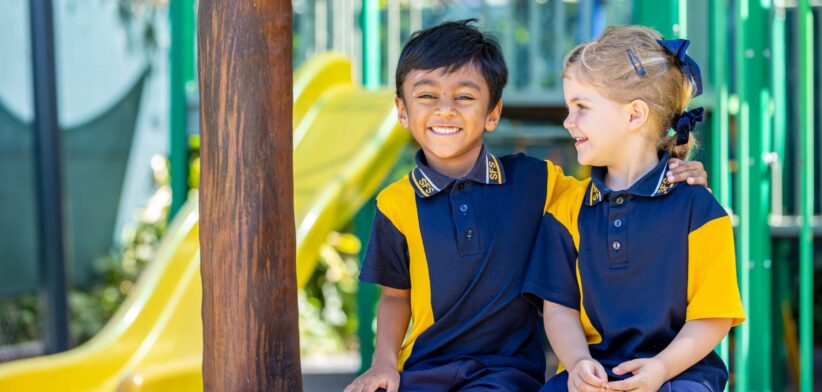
[568,341]
[694,341]
[393,315]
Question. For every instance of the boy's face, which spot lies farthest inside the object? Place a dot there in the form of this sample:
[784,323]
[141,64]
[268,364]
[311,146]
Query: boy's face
[447,114]
[598,125]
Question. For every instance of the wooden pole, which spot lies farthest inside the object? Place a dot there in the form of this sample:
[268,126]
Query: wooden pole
[247,240]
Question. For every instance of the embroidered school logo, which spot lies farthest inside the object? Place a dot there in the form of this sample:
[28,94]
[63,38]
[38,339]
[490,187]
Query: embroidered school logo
[493,171]
[664,187]
[423,185]
[595,195]
[426,187]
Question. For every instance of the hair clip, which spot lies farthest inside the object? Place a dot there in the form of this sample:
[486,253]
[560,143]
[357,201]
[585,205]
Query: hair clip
[634,59]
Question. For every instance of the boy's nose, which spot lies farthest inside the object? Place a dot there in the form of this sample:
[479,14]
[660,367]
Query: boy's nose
[445,107]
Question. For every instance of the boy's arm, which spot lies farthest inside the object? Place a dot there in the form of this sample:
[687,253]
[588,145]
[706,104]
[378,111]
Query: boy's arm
[393,315]
[692,172]
[568,341]
[694,341]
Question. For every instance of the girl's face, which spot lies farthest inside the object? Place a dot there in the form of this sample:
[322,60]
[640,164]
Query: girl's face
[599,126]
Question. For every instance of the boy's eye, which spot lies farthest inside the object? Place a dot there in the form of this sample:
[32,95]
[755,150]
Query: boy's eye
[425,96]
[465,98]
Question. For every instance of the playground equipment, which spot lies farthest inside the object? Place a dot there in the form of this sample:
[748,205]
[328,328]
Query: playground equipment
[346,140]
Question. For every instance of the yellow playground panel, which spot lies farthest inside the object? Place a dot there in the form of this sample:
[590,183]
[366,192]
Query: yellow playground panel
[346,140]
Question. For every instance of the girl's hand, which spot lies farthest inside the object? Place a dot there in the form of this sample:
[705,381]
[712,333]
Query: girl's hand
[587,375]
[692,172]
[648,375]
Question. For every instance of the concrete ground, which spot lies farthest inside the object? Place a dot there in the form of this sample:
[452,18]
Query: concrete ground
[329,373]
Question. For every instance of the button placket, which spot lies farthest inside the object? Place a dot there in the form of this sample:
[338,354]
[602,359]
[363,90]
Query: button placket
[468,241]
[617,231]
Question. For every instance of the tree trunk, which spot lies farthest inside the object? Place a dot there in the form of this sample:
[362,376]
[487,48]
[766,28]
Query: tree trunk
[247,240]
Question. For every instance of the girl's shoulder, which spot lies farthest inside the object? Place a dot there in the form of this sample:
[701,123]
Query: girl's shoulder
[702,206]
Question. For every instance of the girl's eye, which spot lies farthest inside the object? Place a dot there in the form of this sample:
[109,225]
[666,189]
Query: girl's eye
[425,96]
[465,98]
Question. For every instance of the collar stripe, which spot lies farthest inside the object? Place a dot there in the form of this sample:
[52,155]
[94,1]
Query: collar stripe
[417,183]
[487,171]
[429,180]
[496,163]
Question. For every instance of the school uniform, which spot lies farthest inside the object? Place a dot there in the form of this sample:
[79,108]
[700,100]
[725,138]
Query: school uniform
[462,247]
[637,264]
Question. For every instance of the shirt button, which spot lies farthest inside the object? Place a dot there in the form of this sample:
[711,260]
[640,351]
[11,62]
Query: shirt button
[461,185]
[620,200]
[469,233]
[618,223]
[616,245]
[463,207]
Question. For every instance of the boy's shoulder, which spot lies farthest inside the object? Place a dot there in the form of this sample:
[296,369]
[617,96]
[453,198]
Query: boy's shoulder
[524,167]
[521,160]
[399,191]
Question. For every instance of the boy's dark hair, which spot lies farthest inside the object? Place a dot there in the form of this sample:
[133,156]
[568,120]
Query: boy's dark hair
[453,45]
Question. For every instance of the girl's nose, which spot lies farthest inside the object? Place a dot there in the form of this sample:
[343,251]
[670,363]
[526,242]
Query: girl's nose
[568,123]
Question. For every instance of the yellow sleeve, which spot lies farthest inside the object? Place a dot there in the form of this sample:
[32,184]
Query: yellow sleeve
[559,183]
[713,291]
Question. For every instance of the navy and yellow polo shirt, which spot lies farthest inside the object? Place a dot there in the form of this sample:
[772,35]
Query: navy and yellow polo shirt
[462,246]
[637,264]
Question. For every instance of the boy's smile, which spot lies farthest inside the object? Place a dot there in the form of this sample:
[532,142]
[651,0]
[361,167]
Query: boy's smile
[448,114]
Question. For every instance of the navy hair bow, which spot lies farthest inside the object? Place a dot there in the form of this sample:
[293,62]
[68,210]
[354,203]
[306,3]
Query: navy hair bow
[690,68]
[685,123]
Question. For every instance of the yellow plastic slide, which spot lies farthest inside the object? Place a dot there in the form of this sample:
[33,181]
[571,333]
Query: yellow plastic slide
[346,140]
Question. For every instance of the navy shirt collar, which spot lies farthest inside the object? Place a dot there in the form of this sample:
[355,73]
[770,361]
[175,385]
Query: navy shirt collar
[652,184]
[428,182]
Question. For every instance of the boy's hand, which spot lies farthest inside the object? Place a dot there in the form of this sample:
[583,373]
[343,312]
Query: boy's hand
[648,375]
[379,376]
[692,172]
[587,375]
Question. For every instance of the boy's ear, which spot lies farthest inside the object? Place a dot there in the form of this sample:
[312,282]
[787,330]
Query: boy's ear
[638,114]
[492,119]
[402,112]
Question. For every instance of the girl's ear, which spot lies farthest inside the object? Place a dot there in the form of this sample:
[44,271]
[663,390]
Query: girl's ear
[639,114]
[402,112]
[492,119]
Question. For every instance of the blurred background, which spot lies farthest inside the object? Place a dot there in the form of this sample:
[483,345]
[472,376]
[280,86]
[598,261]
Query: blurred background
[111,192]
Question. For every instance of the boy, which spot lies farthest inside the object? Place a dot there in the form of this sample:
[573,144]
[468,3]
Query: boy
[450,244]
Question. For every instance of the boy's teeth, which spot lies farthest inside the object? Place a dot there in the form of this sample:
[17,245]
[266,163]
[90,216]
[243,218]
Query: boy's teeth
[445,130]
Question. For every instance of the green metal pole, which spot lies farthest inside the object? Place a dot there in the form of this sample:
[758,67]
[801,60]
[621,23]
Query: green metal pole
[371,43]
[806,145]
[753,349]
[782,264]
[666,16]
[182,71]
[719,125]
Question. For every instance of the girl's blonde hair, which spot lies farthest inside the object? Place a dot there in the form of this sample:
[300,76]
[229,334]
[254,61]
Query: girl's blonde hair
[627,63]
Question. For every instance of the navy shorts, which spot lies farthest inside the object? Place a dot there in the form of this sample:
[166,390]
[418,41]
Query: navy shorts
[559,383]
[467,375]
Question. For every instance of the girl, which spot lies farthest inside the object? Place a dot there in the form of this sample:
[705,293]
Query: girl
[636,275]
